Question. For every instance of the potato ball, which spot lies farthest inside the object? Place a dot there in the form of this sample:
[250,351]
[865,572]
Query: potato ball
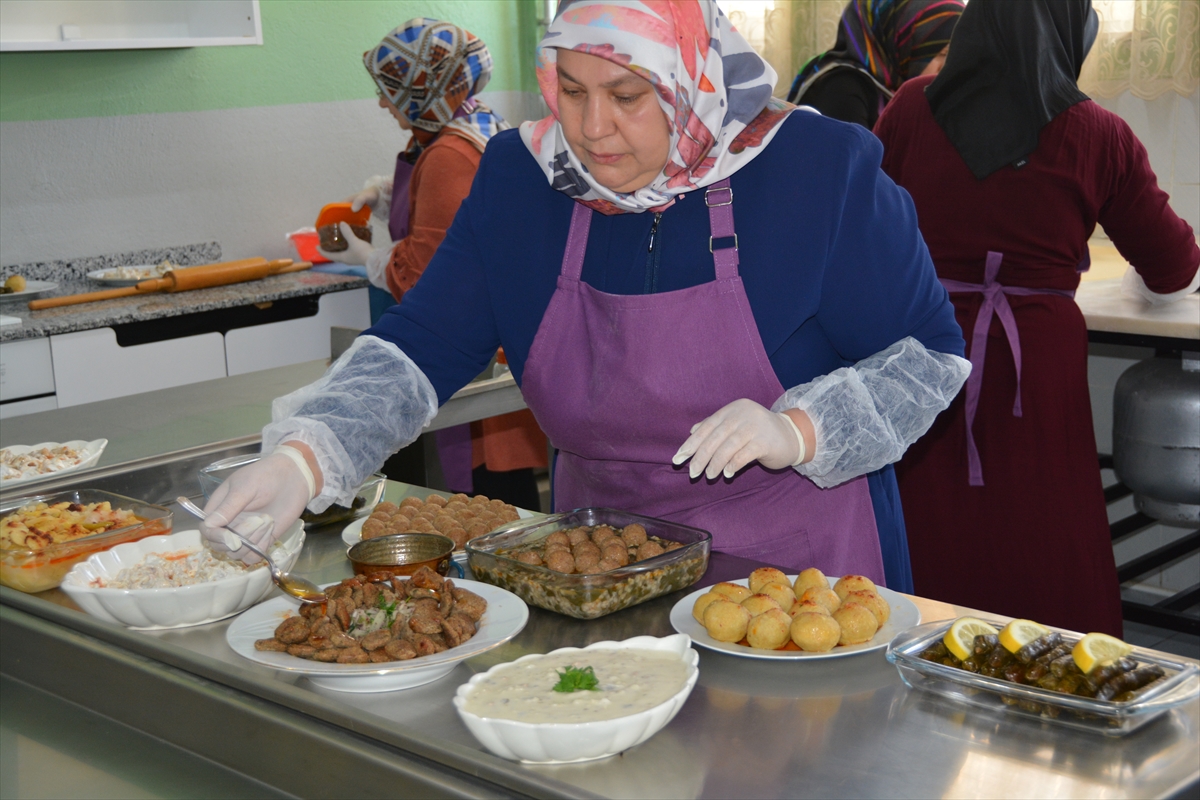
[809,578]
[770,630]
[759,604]
[385,508]
[585,561]
[561,561]
[809,607]
[764,575]
[853,583]
[857,621]
[458,497]
[411,502]
[601,532]
[435,500]
[726,621]
[558,537]
[877,605]
[815,633]
[530,557]
[577,535]
[780,592]
[634,535]
[702,603]
[609,564]
[735,592]
[826,597]
[584,548]
[616,551]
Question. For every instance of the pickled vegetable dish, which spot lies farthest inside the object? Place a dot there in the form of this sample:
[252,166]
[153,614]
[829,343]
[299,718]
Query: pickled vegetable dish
[1047,662]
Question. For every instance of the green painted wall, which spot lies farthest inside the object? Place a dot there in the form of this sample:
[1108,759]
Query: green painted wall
[311,53]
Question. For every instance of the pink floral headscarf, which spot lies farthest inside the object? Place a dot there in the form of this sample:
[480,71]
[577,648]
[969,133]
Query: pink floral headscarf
[713,87]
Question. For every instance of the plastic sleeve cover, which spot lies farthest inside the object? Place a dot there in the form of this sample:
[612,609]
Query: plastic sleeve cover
[867,415]
[377,265]
[373,401]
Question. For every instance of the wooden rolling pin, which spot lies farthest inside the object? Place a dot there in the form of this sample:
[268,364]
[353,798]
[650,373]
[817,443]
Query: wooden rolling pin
[184,279]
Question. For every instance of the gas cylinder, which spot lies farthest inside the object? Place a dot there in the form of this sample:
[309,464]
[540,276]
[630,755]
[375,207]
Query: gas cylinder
[1156,436]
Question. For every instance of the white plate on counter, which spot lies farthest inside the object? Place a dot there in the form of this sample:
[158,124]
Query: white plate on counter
[904,616]
[32,289]
[89,454]
[505,617]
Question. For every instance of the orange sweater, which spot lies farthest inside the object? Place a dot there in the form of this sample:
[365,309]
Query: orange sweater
[441,179]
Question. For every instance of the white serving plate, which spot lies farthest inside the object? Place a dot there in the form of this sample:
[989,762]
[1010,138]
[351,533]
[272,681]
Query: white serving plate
[566,743]
[32,289]
[99,275]
[505,617]
[904,615]
[90,453]
[177,607]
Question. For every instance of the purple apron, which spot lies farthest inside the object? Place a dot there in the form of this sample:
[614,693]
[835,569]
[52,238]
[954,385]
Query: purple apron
[995,302]
[617,381]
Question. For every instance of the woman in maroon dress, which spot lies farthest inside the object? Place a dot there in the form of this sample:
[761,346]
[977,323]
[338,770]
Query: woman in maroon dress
[1011,167]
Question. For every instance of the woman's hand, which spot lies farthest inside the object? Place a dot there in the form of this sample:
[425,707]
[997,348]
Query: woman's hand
[357,250]
[273,489]
[744,431]
[367,197]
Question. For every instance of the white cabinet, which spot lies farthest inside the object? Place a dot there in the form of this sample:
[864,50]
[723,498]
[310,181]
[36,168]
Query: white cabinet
[25,369]
[294,341]
[91,365]
[124,25]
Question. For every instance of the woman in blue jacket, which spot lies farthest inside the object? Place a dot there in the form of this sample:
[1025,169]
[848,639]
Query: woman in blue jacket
[741,247]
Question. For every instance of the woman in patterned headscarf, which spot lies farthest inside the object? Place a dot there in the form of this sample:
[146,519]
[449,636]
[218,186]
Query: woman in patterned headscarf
[880,44]
[428,74]
[654,340]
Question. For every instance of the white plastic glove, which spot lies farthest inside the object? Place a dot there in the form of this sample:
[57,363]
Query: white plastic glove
[357,253]
[376,193]
[737,434]
[273,489]
[367,197]
[1134,287]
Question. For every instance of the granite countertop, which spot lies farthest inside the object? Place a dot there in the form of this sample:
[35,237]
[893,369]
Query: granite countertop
[139,308]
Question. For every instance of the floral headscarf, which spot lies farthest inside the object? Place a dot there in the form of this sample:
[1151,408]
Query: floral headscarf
[431,71]
[713,87]
[885,39]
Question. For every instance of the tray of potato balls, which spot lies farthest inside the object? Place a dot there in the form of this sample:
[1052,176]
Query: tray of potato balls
[773,615]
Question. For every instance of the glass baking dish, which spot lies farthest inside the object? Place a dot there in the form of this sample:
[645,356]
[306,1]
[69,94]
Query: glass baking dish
[590,596]
[367,497]
[30,570]
[1110,718]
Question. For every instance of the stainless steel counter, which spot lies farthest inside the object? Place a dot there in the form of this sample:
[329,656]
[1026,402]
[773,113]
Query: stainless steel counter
[843,727]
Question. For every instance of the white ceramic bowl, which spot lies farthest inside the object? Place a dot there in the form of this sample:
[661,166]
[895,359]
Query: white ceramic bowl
[176,607]
[562,743]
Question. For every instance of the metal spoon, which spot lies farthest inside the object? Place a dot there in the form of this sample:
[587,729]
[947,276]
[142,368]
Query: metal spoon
[302,589]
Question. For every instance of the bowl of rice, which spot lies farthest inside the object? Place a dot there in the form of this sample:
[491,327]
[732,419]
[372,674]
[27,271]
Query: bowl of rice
[174,581]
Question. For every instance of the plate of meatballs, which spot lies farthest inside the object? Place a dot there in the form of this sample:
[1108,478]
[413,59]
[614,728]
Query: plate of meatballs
[379,635]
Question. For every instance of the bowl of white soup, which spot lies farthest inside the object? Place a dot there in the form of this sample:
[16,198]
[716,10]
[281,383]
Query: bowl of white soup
[580,704]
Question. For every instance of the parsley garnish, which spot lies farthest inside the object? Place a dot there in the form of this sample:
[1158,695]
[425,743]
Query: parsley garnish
[389,609]
[573,679]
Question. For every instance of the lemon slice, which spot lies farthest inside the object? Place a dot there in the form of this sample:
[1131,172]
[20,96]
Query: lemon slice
[1021,632]
[960,639]
[1096,648]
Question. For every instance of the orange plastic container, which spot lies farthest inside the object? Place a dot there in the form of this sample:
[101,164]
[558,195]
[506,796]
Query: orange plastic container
[340,212]
[306,242]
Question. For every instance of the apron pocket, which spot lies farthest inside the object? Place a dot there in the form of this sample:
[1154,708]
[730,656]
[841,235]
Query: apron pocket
[792,551]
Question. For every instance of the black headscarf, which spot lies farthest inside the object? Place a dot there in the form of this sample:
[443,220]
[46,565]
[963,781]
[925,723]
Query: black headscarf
[1013,66]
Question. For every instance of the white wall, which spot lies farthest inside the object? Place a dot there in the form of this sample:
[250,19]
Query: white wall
[242,177]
